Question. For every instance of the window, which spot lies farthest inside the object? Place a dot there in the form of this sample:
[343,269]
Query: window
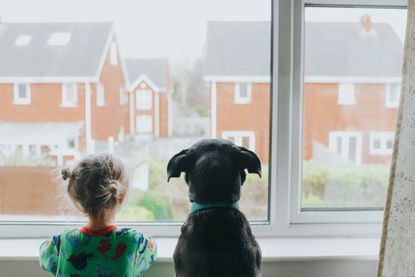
[123,97]
[393,92]
[241,138]
[22,94]
[144,124]
[69,95]
[144,99]
[114,53]
[100,94]
[242,93]
[23,40]
[381,143]
[344,164]
[59,39]
[346,94]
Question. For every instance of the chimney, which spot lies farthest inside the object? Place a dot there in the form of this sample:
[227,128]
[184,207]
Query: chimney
[366,23]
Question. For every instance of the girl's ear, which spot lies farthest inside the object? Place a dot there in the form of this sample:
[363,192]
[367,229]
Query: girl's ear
[178,163]
[121,198]
[249,160]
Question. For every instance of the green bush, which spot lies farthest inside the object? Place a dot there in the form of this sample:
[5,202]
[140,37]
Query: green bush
[159,205]
[315,179]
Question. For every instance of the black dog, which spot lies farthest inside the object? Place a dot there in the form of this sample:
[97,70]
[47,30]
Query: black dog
[216,239]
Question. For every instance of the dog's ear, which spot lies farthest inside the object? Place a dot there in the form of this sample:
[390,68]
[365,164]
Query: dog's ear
[249,160]
[178,163]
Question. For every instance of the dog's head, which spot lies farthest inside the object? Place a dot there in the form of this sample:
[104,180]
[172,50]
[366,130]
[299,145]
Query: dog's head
[214,170]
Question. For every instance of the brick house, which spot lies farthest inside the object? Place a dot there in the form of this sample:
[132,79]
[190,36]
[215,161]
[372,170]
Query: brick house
[359,89]
[150,97]
[62,87]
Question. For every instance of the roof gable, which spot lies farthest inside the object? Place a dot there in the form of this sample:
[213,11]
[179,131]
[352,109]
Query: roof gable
[154,72]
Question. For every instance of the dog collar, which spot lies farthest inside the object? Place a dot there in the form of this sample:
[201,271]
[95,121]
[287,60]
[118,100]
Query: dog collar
[199,206]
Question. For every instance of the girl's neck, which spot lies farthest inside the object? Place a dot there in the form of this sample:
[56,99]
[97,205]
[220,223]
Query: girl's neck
[102,221]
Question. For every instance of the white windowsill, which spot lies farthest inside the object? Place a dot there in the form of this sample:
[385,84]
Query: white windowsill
[273,249]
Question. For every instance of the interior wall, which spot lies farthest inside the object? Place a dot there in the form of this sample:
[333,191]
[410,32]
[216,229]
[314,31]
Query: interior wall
[315,268]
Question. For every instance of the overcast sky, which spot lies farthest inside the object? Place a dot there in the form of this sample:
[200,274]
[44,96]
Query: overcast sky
[166,28]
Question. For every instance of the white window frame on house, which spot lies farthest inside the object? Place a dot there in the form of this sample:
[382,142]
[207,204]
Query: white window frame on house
[69,88]
[286,218]
[383,138]
[347,94]
[17,100]
[388,93]
[144,124]
[144,99]
[239,135]
[100,94]
[345,138]
[239,99]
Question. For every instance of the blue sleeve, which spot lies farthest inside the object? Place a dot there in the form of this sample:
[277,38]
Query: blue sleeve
[49,254]
[146,254]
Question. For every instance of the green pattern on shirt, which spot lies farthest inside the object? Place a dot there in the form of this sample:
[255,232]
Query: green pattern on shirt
[123,252]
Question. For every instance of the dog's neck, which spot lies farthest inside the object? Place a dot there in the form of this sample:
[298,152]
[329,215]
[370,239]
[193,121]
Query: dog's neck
[202,206]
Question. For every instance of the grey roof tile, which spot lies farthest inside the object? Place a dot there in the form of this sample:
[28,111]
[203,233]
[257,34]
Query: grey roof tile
[155,69]
[80,57]
[331,49]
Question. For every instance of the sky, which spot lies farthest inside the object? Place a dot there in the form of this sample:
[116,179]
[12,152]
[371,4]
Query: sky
[173,29]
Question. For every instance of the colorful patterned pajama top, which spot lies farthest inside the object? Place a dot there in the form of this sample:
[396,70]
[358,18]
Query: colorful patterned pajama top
[108,252]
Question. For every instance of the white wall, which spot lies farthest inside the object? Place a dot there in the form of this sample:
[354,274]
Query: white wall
[317,268]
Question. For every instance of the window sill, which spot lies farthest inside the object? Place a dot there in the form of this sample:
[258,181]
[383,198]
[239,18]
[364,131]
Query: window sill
[273,249]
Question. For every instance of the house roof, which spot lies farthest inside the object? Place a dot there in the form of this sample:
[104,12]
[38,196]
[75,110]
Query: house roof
[157,70]
[82,56]
[331,49]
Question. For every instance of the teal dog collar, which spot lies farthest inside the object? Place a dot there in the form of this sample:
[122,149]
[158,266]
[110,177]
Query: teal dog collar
[199,206]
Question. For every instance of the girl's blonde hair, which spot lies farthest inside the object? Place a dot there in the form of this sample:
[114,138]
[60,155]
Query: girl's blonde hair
[96,183]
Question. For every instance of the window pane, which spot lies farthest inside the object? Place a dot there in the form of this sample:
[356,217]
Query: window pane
[178,66]
[22,91]
[351,56]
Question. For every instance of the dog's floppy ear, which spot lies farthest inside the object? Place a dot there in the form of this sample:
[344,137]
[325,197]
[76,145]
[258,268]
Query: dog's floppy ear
[178,163]
[249,160]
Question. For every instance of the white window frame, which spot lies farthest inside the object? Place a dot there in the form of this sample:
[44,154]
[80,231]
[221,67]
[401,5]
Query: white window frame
[239,135]
[64,95]
[345,136]
[346,94]
[17,100]
[139,128]
[142,105]
[383,137]
[286,219]
[123,96]
[388,102]
[100,94]
[240,99]
[114,53]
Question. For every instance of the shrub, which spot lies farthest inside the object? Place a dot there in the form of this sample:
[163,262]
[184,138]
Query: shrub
[157,204]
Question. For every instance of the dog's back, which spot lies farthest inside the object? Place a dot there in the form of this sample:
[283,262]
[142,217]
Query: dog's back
[217,242]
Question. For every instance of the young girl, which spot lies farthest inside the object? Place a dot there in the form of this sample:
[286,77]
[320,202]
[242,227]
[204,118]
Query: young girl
[98,186]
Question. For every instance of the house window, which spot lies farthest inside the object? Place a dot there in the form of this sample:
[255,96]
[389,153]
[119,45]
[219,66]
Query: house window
[242,93]
[144,99]
[346,94]
[69,95]
[144,124]
[123,97]
[381,143]
[242,138]
[59,39]
[22,95]
[393,92]
[100,94]
[23,40]
[347,146]
[114,53]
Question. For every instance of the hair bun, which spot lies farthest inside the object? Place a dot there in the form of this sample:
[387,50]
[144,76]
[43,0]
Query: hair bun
[66,174]
[113,187]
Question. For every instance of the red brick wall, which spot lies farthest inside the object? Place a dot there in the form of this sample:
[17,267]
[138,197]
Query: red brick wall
[164,115]
[107,120]
[322,115]
[254,116]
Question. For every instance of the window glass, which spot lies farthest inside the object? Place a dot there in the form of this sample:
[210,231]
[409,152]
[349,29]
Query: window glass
[179,66]
[351,56]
